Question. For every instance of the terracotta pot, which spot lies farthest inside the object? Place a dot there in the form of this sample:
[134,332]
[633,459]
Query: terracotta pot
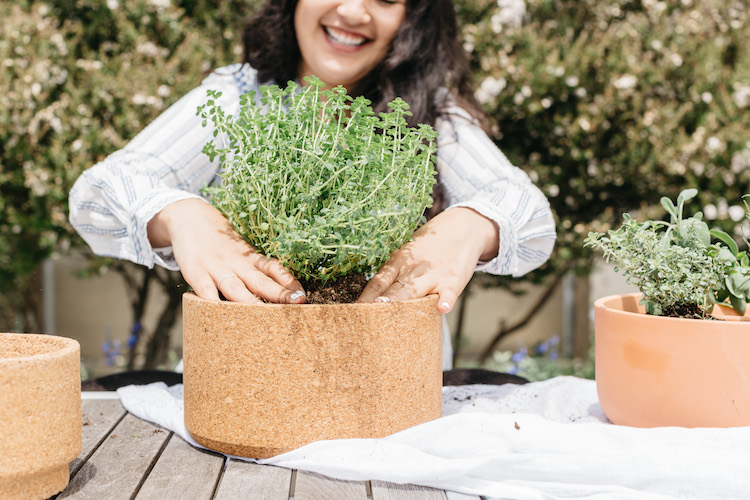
[655,371]
[263,379]
[40,413]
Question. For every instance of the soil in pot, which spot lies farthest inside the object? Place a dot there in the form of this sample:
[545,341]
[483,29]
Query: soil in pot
[343,290]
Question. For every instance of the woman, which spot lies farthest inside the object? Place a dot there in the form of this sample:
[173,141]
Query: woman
[141,203]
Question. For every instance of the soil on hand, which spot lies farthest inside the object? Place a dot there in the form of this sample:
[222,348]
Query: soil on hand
[343,290]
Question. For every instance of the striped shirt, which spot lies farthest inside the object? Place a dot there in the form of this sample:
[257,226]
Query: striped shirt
[113,201]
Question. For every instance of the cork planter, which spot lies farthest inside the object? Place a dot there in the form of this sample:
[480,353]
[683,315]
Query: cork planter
[653,371]
[40,414]
[261,380]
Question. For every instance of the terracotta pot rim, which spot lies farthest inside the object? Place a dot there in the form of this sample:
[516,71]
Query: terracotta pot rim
[58,347]
[601,303]
[353,305]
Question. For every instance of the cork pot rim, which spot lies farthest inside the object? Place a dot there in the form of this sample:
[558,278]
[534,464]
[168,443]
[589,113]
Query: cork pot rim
[192,297]
[25,348]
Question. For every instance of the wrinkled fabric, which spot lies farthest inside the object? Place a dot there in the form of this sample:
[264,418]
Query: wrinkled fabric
[541,440]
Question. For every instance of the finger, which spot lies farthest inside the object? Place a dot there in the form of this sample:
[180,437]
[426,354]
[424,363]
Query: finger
[203,285]
[411,289]
[234,289]
[266,287]
[377,286]
[280,274]
[447,298]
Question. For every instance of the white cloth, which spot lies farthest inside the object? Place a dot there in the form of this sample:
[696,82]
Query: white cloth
[536,441]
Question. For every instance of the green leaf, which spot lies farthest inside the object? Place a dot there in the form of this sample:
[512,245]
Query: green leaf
[738,304]
[685,195]
[726,239]
[669,206]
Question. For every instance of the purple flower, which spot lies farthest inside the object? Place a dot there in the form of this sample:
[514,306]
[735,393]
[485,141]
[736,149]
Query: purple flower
[519,355]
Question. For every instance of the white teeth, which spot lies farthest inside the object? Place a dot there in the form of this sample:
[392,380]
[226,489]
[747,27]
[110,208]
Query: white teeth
[345,38]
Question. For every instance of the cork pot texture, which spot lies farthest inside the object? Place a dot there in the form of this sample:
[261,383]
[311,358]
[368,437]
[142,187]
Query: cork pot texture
[653,371]
[264,379]
[40,413]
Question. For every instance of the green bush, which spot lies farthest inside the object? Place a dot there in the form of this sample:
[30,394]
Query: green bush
[79,79]
[295,198]
[611,104]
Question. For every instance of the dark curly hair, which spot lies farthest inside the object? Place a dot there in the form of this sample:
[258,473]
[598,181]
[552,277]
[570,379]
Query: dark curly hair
[426,55]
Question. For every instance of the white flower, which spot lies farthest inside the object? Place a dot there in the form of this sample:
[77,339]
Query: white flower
[490,88]
[741,95]
[546,102]
[710,212]
[625,82]
[159,4]
[736,212]
[740,161]
[511,13]
[707,97]
[571,81]
[676,59]
[113,4]
[148,49]
[714,144]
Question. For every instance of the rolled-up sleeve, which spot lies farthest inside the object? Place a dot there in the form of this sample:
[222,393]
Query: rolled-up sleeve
[113,201]
[476,174]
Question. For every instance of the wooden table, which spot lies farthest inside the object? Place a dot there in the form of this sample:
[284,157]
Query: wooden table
[126,457]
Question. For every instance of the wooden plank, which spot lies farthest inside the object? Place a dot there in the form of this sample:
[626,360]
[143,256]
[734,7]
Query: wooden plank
[98,418]
[117,468]
[248,480]
[382,490]
[452,495]
[312,486]
[183,471]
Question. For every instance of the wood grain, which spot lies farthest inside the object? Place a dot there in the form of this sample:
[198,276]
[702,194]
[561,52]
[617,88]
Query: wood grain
[117,468]
[382,490]
[249,480]
[183,471]
[98,417]
[311,486]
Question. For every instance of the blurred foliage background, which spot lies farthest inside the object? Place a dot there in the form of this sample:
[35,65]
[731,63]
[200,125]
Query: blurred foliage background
[607,104]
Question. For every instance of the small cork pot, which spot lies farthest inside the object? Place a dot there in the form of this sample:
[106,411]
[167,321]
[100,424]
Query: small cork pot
[653,371]
[264,379]
[40,414]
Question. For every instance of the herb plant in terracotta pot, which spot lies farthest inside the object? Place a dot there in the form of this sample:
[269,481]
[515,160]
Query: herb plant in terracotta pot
[315,179]
[40,414]
[678,353]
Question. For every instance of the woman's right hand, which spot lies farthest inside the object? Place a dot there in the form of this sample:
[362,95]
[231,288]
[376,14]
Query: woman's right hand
[213,258]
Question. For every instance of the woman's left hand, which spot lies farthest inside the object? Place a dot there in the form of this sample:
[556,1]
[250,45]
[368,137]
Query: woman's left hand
[439,260]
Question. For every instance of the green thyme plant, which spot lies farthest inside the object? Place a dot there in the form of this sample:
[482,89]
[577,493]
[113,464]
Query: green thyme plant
[314,178]
[675,264]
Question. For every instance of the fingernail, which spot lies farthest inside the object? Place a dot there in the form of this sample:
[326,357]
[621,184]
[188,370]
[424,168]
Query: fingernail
[446,306]
[382,299]
[296,295]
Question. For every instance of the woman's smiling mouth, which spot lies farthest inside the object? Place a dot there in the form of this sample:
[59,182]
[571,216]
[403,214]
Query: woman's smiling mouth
[344,37]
